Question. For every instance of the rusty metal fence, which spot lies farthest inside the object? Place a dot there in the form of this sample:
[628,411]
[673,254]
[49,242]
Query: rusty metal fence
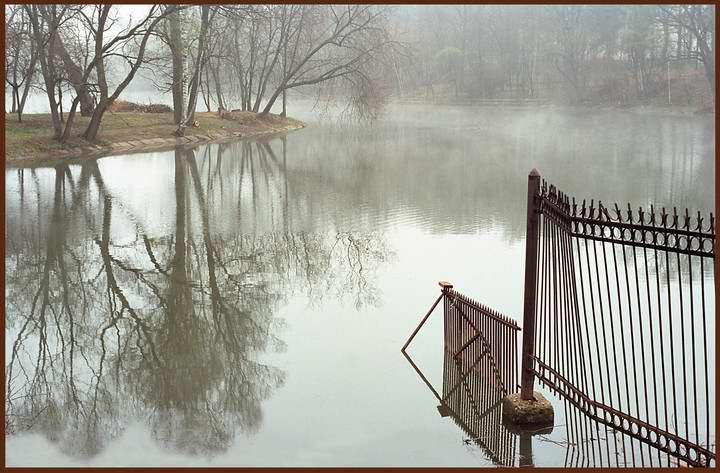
[619,308]
[474,403]
[618,321]
[479,370]
[477,337]
[482,340]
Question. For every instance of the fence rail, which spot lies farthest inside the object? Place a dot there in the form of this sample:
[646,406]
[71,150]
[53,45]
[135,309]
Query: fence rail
[616,318]
[467,321]
[475,405]
[479,369]
[617,310]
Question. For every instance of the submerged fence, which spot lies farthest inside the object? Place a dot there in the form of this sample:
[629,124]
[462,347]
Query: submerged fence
[619,308]
[479,370]
[618,321]
[482,340]
[474,403]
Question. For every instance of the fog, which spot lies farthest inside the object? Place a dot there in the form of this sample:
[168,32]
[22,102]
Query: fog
[612,55]
[243,302]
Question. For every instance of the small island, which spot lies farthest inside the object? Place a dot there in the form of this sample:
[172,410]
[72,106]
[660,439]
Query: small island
[30,142]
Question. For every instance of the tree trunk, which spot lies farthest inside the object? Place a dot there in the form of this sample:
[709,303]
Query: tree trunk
[218,87]
[93,127]
[271,101]
[46,66]
[178,67]
[70,120]
[284,104]
[208,101]
[13,109]
[204,95]
[710,73]
[28,83]
[75,74]
[49,88]
[60,104]
[195,82]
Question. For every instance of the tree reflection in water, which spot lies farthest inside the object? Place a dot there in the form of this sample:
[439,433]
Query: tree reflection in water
[164,329]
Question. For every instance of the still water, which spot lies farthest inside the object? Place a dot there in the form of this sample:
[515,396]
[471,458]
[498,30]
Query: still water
[245,304]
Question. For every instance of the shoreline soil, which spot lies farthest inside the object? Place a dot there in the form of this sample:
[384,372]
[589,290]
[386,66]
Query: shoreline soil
[540,105]
[29,143]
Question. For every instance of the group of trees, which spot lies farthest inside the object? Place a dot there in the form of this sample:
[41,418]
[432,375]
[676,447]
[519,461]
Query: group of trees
[574,53]
[249,57]
[74,46]
[241,56]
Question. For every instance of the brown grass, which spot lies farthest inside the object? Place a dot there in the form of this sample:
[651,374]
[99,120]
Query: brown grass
[33,137]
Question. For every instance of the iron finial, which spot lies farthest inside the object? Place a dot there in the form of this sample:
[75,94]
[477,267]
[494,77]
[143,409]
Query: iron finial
[445,285]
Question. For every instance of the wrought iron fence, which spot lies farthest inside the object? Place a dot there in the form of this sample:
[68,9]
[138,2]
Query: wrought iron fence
[482,340]
[479,370]
[591,444]
[478,337]
[474,403]
[618,311]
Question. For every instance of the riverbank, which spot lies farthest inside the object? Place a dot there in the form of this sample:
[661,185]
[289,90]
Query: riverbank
[538,104]
[30,143]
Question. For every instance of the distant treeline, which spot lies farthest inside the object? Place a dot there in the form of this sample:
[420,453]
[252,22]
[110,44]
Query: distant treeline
[251,57]
[601,54]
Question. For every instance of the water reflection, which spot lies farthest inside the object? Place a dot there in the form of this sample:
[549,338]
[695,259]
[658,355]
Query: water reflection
[253,233]
[109,323]
[473,402]
[464,169]
[591,444]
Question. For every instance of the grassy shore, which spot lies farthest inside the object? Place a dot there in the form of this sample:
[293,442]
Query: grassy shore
[31,141]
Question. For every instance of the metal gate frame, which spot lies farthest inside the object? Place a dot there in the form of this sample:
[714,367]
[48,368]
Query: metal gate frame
[669,233]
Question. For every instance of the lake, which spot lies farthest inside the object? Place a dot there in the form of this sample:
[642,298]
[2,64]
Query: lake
[245,304]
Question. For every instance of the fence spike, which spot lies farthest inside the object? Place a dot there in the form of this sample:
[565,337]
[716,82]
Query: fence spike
[699,222]
[647,229]
[617,213]
[606,213]
[711,229]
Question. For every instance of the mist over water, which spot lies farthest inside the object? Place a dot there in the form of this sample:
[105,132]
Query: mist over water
[245,304]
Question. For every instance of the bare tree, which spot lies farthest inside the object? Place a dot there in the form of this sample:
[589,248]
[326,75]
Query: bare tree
[207,13]
[129,43]
[329,43]
[699,23]
[177,46]
[46,21]
[99,22]
[20,57]
[76,78]
[572,47]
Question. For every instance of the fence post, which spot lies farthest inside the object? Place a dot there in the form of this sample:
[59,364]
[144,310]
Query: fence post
[531,242]
[446,286]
